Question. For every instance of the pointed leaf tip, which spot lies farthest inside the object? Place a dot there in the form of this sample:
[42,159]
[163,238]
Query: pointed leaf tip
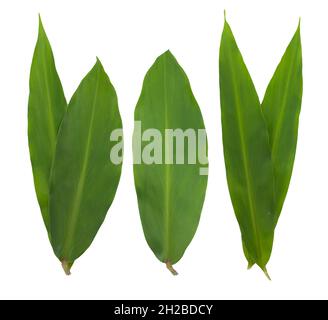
[41,28]
[226,23]
[98,64]
[299,23]
[168,53]
[98,61]
[250,266]
[266,273]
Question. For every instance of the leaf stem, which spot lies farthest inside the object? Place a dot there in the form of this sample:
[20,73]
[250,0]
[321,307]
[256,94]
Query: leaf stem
[170,267]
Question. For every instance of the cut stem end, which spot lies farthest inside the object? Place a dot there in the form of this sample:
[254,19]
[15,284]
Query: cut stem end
[67,267]
[170,268]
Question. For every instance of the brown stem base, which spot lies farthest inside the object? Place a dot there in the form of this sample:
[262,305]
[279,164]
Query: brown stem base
[170,268]
[67,267]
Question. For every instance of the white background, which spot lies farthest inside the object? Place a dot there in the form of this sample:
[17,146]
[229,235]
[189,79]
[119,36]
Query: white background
[127,36]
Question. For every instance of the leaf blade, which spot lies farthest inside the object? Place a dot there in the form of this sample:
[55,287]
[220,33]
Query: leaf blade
[281,108]
[246,152]
[84,181]
[169,218]
[46,108]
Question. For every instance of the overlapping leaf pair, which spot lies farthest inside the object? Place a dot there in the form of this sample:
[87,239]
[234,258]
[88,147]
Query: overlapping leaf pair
[69,147]
[259,142]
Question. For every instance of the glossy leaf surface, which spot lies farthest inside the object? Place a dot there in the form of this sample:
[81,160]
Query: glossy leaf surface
[281,107]
[84,180]
[170,196]
[46,108]
[247,153]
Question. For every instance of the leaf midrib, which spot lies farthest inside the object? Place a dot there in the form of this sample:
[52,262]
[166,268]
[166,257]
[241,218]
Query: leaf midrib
[167,213]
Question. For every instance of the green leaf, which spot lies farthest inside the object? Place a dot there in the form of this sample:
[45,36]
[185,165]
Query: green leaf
[247,153]
[84,180]
[46,108]
[170,195]
[281,107]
